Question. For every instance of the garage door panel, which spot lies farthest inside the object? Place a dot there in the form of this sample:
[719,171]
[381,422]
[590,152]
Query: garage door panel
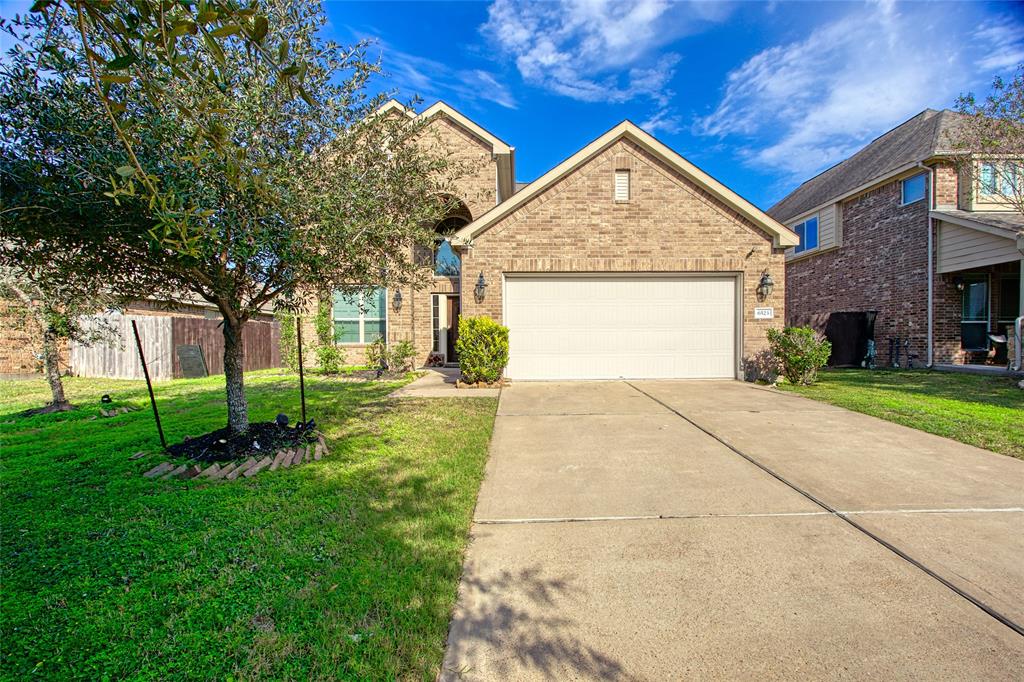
[594,327]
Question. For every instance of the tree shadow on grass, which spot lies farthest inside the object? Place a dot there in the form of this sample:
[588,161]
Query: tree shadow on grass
[343,568]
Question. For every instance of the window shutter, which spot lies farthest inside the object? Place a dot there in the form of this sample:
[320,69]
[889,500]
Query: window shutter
[622,185]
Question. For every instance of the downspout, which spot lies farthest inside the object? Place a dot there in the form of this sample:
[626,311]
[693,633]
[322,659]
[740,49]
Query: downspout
[929,355]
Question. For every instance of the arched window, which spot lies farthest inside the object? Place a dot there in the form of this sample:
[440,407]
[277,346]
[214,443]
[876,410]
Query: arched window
[446,261]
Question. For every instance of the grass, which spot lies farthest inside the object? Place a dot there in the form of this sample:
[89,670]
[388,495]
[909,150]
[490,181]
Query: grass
[345,568]
[978,410]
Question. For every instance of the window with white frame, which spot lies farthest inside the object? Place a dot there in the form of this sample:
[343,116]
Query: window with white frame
[913,188]
[999,178]
[808,233]
[361,316]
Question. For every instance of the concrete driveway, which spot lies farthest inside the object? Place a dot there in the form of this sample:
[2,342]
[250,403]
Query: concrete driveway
[720,530]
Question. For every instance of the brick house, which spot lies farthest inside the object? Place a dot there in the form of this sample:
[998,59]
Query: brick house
[624,260]
[897,229]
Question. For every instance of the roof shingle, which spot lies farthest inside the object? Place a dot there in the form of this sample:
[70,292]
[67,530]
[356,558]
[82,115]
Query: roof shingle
[923,136]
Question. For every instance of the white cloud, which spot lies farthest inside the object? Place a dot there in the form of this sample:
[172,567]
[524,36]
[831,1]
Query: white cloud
[597,50]
[662,120]
[818,100]
[1005,40]
[431,79]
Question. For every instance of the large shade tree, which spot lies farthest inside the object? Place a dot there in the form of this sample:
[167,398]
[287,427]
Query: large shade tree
[278,182]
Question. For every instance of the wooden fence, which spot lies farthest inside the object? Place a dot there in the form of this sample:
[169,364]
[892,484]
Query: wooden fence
[118,357]
[260,339]
[161,335]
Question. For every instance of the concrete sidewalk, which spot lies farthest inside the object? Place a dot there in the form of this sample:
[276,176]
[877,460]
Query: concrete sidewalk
[439,382]
[616,538]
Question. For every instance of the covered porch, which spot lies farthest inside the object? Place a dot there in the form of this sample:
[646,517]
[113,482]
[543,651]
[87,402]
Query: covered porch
[978,291]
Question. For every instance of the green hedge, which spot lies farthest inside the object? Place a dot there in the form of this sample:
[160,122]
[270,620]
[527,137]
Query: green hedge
[483,349]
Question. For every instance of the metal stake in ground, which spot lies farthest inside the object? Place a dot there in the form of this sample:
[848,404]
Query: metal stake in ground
[302,380]
[149,385]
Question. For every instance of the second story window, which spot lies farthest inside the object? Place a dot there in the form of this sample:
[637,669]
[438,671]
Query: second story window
[999,179]
[808,233]
[913,189]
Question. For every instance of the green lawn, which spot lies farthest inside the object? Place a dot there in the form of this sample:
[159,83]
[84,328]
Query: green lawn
[345,568]
[978,410]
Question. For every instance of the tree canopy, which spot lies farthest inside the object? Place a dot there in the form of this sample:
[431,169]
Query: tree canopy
[263,188]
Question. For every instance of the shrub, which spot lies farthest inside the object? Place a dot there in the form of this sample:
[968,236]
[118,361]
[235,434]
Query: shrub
[483,349]
[403,357]
[288,345]
[799,352]
[330,359]
[399,358]
[377,354]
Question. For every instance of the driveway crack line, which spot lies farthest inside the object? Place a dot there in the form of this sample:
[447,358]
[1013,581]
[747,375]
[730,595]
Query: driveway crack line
[844,516]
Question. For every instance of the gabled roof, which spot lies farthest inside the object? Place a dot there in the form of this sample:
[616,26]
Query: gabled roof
[922,137]
[629,130]
[498,146]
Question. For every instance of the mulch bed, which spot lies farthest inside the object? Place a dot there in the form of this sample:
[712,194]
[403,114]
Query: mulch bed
[261,439]
[282,447]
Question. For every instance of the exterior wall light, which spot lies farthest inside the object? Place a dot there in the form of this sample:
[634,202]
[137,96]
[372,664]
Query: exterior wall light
[958,282]
[480,289]
[396,301]
[766,286]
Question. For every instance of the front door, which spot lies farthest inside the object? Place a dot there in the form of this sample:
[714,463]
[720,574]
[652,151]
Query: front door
[454,306]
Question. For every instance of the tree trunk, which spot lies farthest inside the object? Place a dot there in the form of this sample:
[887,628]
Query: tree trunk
[51,367]
[234,362]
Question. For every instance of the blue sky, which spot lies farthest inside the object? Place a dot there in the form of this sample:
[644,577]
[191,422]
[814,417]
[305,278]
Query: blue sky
[760,95]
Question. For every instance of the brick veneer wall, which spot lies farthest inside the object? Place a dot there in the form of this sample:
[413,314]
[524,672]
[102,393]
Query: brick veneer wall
[18,347]
[881,265]
[947,184]
[476,188]
[669,225]
[477,185]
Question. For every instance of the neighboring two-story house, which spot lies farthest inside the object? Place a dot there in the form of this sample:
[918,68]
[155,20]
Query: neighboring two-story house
[896,228]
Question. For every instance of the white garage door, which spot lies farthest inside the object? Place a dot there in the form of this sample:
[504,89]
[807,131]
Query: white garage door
[610,327]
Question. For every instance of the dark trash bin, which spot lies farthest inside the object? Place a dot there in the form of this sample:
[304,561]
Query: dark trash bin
[849,333]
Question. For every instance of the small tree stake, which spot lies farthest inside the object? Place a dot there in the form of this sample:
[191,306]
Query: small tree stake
[302,380]
[149,385]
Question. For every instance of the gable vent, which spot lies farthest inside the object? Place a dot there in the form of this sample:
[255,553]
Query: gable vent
[622,185]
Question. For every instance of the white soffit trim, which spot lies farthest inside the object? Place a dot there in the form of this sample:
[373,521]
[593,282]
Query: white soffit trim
[497,145]
[783,236]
